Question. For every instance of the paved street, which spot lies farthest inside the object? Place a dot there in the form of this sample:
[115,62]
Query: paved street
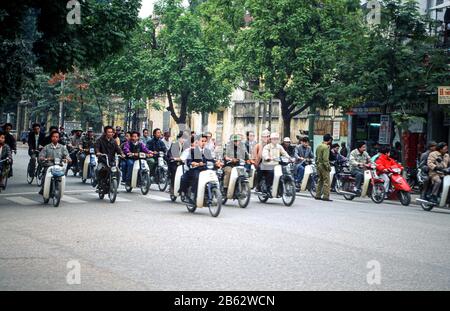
[150,243]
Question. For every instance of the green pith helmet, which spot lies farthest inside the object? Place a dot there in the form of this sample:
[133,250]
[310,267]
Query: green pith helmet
[236,137]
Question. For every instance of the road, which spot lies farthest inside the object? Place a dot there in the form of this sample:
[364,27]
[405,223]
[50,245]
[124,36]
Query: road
[149,243]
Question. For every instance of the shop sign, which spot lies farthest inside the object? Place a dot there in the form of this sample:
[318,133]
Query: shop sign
[336,130]
[444,95]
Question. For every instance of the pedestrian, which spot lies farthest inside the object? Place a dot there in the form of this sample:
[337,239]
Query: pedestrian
[323,168]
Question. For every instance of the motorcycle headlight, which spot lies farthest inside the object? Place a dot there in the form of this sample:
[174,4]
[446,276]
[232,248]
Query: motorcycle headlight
[91,150]
[209,165]
[114,169]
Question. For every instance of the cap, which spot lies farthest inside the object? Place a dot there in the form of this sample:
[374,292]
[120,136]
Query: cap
[287,140]
[265,133]
[274,135]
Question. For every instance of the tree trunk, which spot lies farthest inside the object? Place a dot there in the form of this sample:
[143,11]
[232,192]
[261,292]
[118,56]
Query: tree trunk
[286,117]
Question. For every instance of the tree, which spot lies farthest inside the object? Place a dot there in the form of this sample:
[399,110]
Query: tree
[294,47]
[402,65]
[182,65]
[37,34]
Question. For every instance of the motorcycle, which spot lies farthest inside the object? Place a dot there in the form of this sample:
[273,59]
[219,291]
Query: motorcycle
[74,165]
[208,192]
[372,186]
[161,177]
[239,185]
[140,176]
[443,201]
[90,162]
[283,185]
[399,187]
[177,182]
[109,184]
[311,178]
[54,182]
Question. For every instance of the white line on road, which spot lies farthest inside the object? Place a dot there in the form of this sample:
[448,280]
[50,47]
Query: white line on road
[69,199]
[37,190]
[22,201]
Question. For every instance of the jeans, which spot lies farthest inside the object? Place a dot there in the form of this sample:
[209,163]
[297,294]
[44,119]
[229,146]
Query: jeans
[359,176]
[387,181]
[300,173]
[129,163]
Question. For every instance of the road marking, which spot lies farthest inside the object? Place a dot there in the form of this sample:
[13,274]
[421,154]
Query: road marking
[118,199]
[157,198]
[69,199]
[22,201]
[35,192]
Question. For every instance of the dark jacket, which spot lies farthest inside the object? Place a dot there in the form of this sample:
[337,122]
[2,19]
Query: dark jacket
[109,147]
[197,156]
[32,140]
[156,145]
[10,140]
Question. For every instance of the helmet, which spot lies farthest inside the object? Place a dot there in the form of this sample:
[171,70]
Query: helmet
[274,136]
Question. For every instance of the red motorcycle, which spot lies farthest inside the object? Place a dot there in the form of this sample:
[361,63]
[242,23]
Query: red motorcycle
[399,188]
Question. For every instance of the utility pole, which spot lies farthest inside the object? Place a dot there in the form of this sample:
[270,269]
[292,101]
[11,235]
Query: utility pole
[270,115]
[311,118]
[61,104]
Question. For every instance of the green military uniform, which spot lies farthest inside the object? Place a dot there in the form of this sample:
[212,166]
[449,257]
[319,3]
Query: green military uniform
[323,171]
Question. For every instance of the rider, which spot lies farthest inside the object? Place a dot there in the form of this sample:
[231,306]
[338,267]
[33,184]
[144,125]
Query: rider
[35,140]
[270,153]
[303,154]
[384,163]
[132,148]
[87,142]
[257,156]
[5,154]
[358,159]
[233,153]
[196,161]
[155,145]
[51,152]
[174,156]
[74,146]
[108,146]
[437,161]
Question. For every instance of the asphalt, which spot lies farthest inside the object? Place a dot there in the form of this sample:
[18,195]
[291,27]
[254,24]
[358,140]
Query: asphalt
[149,243]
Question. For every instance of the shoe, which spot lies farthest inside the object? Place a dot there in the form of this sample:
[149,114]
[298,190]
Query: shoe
[434,199]
[41,192]
[317,198]
[327,200]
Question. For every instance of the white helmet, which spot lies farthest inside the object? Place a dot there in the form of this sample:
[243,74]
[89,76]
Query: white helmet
[274,135]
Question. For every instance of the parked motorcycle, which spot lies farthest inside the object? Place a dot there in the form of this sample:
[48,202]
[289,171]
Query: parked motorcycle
[283,185]
[372,186]
[311,178]
[399,187]
[443,200]
[140,176]
[54,182]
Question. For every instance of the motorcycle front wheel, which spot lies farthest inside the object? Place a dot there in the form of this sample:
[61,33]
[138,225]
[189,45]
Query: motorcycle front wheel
[312,185]
[288,195]
[112,191]
[378,193]
[244,194]
[145,183]
[405,198]
[56,193]
[163,180]
[215,202]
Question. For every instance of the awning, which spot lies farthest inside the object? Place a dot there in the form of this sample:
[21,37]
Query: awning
[440,6]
